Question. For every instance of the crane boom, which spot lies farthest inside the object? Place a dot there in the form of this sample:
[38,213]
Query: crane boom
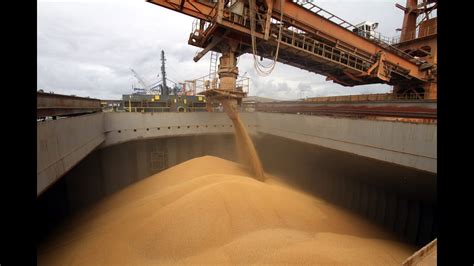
[145,86]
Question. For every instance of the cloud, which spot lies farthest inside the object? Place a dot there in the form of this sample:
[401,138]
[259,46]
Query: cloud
[86,48]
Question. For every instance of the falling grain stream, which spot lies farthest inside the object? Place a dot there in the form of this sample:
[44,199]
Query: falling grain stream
[245,147]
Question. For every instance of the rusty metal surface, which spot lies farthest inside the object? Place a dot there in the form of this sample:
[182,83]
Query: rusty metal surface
[223,94]
[321,44]
[380,97]
[63,105]
[301,18]
[417,110]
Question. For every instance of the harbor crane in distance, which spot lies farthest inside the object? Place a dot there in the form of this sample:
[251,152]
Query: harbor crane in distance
[148,89]
[141,81]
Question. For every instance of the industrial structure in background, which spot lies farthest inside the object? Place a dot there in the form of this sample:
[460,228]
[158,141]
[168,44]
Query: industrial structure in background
[50,105]
[159,97]
[303,35]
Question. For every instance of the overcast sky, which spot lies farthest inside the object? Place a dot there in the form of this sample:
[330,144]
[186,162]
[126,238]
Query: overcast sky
[87,48]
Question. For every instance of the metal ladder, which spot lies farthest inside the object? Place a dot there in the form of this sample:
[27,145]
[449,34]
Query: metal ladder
[213,65]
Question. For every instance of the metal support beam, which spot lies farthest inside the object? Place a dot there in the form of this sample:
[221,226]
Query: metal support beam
[308,21]
[209,47]
[269,4]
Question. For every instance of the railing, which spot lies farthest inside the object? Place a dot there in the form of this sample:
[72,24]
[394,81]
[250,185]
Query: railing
[197,109]
[197,30]
[418,33]
[308,4]
[368,97]
[376,37]
[425,112]
[243,84]
[324,13]
[146,109]
[205,83]
[244,19]
[163,109]
[295,37]
[301,39]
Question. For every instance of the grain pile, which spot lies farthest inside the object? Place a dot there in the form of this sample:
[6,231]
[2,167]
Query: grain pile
[209,211]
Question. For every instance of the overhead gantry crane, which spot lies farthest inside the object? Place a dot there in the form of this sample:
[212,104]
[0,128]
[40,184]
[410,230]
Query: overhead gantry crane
[301,34]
